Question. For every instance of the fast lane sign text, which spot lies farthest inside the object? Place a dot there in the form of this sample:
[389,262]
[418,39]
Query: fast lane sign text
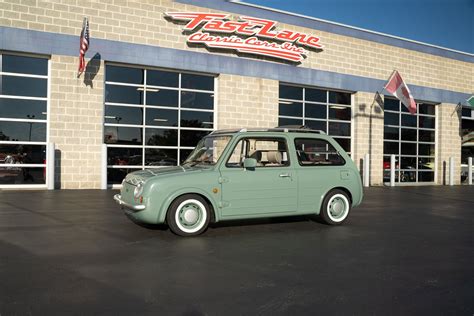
[285,44]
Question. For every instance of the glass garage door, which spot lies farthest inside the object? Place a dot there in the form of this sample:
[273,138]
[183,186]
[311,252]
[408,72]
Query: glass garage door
[23,120]
[329,111]
[411,138]
[153,118]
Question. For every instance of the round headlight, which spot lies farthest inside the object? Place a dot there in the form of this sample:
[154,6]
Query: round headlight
[138,190]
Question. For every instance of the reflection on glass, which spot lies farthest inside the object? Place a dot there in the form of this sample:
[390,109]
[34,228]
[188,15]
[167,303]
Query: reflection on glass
[426,136]
[317,125]
[391,104]
[23,131]
[26,154]
[17,175]
[290,92]
[162,78]
[123,115]
[290,122]
[339,97]
[197,82]
[315,111]
[391,118]
[339,129]
[196,119]
[408,148]
[197,100]
[24,65]
[408,175]
[161,117]
[124,74]
[122,135]
[424,108]
[339,113]
[467,112]
[426,163]
[409,120]
[124,156]
[345,143]
[123,94]
[408,163]
[22,86]
[162,97]
[425,176]
[115,176]
[427,122]
[13,108]
[160,157]
[184,154]
[161,137]
[409,134]
[315,95]
[290,109]
[391,133]
[426,149]
[390,148]
[191,138]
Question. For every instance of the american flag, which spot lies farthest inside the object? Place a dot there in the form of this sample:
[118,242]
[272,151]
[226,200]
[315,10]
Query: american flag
[83,46]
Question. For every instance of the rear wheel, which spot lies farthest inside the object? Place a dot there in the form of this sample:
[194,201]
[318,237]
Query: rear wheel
[188,215]
[336,207]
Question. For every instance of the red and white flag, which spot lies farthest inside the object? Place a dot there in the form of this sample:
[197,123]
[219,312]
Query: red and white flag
[83,46]
[397,87]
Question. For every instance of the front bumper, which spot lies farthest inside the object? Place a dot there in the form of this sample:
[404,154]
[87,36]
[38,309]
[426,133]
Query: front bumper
[118,199]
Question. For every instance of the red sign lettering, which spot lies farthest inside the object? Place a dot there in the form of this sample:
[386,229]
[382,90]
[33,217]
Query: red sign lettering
[285,44]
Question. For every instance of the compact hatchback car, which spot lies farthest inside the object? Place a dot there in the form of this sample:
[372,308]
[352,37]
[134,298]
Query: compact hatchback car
[247,173]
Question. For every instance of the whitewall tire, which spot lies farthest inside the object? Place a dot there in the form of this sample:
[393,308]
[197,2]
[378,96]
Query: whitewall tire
[336,207]
[188,215]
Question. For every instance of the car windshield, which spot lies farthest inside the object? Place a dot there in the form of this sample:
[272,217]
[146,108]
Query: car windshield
[208,151]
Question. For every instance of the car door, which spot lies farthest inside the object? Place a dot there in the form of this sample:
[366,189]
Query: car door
[268,189]
[320,169]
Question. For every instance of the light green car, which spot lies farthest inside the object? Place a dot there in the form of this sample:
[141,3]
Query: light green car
[240,174]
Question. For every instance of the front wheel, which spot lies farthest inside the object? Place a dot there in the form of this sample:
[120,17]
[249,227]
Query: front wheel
[335,208]
[188,215]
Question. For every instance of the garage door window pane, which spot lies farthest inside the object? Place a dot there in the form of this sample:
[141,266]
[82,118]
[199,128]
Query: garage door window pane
[161,117]
[23,109]
[161,157]
[124,74]
[124,156]
[22,86]
[123,94]
[162,78]
[162,97]
[292,109]
[161,137]
[197,100]
[25,65]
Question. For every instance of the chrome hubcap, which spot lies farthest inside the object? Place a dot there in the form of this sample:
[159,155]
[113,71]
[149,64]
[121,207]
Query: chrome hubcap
[190,216]
[338,208]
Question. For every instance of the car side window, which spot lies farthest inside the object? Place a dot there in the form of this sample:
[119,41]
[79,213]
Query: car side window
[317,152]
[269,152]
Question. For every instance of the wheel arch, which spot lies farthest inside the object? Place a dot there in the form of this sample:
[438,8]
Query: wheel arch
[344,189]
[167,204]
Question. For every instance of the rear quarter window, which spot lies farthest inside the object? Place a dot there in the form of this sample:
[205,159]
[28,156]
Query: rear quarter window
[317,152]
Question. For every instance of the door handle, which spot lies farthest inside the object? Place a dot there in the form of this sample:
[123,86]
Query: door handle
[285,175]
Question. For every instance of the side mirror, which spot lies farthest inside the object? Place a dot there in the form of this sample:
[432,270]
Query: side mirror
[250,163]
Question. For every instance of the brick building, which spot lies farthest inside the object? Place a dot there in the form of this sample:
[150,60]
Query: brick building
[149,92]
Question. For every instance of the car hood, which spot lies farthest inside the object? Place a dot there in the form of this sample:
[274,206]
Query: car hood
[142,175]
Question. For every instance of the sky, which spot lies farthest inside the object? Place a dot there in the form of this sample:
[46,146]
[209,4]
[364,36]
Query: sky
[446,23]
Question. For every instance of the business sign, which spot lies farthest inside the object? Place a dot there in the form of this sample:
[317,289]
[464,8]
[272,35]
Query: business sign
[247,35]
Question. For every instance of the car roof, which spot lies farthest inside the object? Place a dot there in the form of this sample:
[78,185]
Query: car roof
[279,129]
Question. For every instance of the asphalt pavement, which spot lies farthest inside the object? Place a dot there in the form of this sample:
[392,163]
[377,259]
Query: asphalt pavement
[404,251]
